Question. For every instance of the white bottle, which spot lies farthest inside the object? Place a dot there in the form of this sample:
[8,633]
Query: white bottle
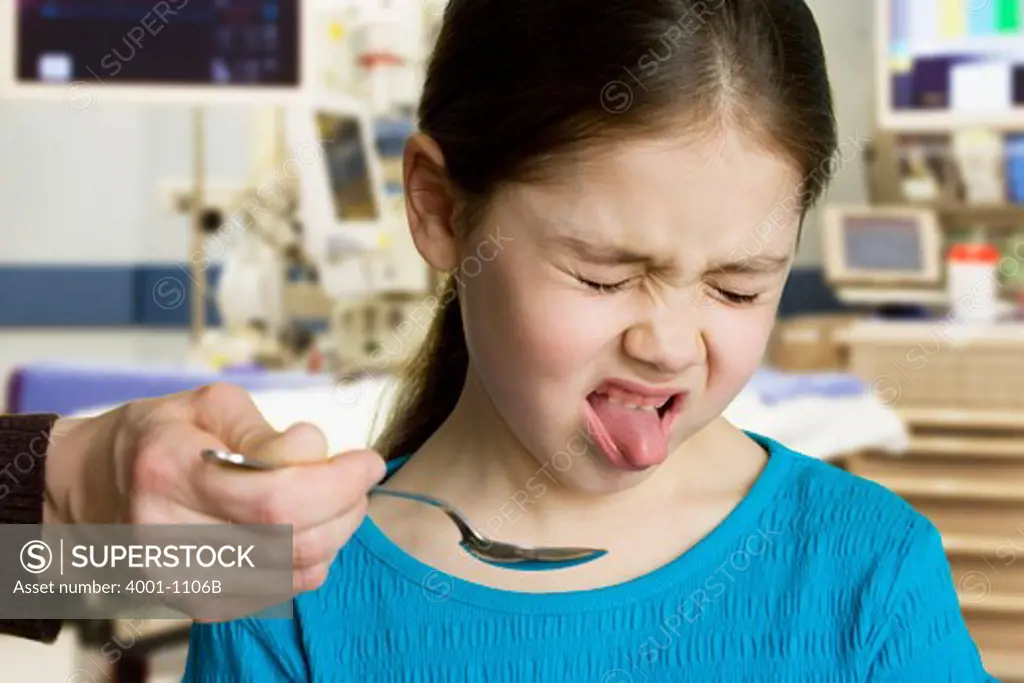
[972,282]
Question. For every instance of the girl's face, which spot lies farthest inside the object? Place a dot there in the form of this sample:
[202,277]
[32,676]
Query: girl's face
[614,314]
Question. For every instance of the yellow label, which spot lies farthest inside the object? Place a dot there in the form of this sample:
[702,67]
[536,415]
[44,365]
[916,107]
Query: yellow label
[953,18]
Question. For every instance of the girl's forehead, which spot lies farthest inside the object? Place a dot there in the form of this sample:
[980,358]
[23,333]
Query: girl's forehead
[723,193]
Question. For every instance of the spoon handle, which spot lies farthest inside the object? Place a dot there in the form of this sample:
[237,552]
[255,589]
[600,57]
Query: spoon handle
[246,462]
[236,459]
[419,497]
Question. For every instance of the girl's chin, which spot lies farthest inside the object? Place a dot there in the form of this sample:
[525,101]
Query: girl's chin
[591,472]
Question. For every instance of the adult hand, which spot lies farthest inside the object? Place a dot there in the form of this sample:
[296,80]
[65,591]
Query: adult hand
[141,464]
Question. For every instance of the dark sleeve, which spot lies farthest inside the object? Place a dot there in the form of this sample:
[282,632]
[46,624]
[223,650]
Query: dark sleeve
[23,443]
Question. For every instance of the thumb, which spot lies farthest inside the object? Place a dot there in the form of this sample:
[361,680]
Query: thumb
[300,443]
[228,413]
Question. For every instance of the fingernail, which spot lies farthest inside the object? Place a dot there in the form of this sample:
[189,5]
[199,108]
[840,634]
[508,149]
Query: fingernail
[379,469]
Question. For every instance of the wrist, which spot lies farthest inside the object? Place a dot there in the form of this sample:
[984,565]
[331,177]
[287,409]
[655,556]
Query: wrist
[62,465]
[77,471]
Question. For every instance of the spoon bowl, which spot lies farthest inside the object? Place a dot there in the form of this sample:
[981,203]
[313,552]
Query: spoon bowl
[499,554]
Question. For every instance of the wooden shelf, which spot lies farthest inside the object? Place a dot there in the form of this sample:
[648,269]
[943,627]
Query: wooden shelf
[955,214]
[963,418]
[1012,605]
[969,447]
[949,489]
[1008,667]
[972,544]
[1013,214]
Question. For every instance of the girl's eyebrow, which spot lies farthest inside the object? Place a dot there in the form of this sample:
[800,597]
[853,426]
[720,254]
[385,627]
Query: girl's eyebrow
[617,255]
[756,264]
[605,254]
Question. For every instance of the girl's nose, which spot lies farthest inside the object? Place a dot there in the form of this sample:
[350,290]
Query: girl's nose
[669,341]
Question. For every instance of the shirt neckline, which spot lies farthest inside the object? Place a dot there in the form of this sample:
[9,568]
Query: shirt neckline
[440,586]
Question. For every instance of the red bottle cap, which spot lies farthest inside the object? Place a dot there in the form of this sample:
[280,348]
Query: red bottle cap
[974,253]
[369,60]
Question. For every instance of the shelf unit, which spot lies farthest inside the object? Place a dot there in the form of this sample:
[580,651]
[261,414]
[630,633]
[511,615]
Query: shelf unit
[975,45]
[963,469]
[961,398]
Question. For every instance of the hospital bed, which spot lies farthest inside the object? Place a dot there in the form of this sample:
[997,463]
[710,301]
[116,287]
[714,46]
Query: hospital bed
[823,415]
[65,388]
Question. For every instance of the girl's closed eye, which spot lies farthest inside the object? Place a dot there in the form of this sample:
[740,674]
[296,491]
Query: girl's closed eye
[605,287]
[727,295]
[734,297]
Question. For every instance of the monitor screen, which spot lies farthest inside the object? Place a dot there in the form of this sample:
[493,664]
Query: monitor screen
[344,149]
[955,56]
[159,42]
[883,244]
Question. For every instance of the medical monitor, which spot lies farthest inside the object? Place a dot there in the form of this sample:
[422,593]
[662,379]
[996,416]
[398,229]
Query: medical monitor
[881,246]
[333,147]
[195,51]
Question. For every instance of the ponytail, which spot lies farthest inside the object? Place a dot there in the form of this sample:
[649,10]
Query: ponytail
[431,384]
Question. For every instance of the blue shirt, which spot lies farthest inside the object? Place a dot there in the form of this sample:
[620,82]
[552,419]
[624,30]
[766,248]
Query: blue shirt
[817,575]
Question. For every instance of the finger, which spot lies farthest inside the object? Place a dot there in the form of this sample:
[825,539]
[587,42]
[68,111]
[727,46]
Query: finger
[311,547]
[301,443]
[165,466]
[302,567]
[228,413]
[303,497]
[205,590]
[320,544]
[310,578]
[170,467]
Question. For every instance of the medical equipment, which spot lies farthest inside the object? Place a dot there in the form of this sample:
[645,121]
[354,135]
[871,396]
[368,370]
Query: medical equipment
[504,555]
[80,50]
[341,182]
[315,201]
[381,332]
[317,206]
[883,255]
[944,64]
[375,50]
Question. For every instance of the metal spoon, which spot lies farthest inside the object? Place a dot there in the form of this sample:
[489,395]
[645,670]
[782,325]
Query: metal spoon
[505,555]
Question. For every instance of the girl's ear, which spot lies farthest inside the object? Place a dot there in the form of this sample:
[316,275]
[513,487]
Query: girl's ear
[429,203]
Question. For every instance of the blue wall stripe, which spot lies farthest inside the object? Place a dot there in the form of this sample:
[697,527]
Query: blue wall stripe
[163,296]
[159,295]
[151,295]
[66,295]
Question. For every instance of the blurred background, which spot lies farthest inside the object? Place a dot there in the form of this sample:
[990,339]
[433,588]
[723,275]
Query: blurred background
[211,189]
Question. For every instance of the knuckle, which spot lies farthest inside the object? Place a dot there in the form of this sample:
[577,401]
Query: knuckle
[356,468]
[141,512]
[360,508]
[221,392]
[310,548]
[311,578]
[356,514]
[153,467]
[274,508]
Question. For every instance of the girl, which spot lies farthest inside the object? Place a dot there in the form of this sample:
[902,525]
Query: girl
[618,187]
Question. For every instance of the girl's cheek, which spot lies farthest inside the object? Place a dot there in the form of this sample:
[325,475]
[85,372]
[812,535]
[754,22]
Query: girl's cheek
[736,340]
[568,330]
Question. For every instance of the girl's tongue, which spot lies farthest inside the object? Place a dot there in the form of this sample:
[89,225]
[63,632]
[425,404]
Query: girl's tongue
[631,438]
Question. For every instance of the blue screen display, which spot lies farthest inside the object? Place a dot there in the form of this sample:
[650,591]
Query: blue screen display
[160,42]
[883,244]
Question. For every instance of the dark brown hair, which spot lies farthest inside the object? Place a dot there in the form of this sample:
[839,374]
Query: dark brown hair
[514,86]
